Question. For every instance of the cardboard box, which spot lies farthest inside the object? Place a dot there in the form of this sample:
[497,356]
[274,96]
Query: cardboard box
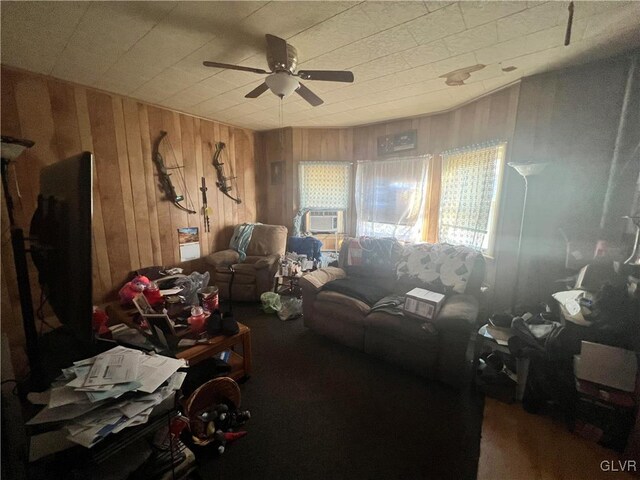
[605,365]
[423,303]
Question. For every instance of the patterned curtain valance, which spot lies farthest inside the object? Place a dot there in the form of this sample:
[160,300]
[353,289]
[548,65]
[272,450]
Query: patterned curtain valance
[324,185]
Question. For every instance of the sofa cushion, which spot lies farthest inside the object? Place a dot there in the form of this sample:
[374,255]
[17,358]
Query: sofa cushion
[356,288]
[267,240]
[340,301]
[223,258]
[401,327]
[318,278]
[459,312]
[441,267]
[370,257]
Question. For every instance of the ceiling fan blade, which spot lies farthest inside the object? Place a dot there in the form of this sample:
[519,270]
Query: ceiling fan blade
[327,75]
[256,92]
[234,67]
[277,50]
[309,96]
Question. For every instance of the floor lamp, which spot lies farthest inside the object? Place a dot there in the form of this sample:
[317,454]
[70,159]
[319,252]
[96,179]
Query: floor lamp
[11,150]
[525,170]
[634,258]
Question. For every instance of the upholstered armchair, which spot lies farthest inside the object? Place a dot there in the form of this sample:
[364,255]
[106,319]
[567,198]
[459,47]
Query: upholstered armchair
[255,274]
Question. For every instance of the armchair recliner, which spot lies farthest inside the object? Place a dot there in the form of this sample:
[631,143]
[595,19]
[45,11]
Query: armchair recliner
[255,275]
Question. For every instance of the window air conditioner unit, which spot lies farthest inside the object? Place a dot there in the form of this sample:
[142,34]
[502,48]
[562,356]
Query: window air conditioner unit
[323,222]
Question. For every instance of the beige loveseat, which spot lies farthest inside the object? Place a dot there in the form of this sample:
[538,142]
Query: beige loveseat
[351,315]
[255,274]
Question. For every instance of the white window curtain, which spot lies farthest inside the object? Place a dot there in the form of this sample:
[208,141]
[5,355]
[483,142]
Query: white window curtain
[390,197]
[324,185]
[469,194]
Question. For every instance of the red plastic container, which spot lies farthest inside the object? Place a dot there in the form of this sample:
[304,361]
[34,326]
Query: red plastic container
[209,298]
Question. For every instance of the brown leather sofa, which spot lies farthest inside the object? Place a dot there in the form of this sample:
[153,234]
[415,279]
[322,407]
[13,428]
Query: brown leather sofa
[437,350]
[255,275]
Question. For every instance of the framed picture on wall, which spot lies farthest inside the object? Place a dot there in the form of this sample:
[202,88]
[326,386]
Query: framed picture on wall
[189,241]
[277,173]
[390,144]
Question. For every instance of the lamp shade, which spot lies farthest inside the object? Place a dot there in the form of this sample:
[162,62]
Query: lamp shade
[528,169]
[282,84]
[13,147]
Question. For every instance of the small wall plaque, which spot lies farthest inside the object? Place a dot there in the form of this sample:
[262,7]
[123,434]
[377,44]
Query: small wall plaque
[277,173]
[399,142]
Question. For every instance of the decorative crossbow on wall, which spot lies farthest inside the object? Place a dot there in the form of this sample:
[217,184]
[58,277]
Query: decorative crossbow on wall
[224,182]
[165,177]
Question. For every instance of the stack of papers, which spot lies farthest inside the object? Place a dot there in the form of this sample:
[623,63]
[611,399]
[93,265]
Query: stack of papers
[84,397]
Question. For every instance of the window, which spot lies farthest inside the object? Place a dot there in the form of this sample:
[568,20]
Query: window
[389,197]
[469,195]
[324,196]
[325,186]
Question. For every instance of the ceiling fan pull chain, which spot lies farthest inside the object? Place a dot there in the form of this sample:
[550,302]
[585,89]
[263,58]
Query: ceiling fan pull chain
[281,123]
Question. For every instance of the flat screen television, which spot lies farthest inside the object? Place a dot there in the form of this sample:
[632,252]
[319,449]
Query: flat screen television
[61,241]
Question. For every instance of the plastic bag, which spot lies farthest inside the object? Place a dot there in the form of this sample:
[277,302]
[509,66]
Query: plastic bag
[291,309]
[270,302]
[191,285]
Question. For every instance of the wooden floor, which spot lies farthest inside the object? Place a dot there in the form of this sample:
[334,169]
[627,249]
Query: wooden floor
[517,445]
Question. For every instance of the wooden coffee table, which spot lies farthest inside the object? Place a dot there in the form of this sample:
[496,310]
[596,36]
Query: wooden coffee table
[240,361]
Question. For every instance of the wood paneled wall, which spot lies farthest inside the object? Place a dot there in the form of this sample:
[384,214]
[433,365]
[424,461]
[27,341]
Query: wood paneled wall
[133,225]
[489,118]
[568,119]
[291,146]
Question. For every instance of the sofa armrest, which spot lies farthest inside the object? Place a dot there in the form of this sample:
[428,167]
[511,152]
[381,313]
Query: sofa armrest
[267,262]
[223,258]
[459,313]
[314,281]
[311,284]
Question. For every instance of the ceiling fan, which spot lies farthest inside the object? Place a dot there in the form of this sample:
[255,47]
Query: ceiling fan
[282,59]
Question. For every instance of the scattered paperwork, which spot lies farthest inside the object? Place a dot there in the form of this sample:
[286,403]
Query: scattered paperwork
[155,369]
[570,308]
[170,291]
[121,367]
[65,395]
[59,414]
[85,397]
[501,335]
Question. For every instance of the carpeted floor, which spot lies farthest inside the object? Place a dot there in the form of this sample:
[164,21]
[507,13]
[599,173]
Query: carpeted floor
[321,411]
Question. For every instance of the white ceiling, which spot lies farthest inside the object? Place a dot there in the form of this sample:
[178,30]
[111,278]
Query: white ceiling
[153,51]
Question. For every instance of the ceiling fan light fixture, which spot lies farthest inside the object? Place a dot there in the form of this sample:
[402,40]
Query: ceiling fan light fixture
[282,84]
[283,59]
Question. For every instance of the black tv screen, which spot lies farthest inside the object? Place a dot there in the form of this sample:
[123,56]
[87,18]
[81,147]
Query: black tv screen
[62,239]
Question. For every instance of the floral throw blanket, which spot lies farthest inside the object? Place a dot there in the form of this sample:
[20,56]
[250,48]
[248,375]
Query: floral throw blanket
[439,267]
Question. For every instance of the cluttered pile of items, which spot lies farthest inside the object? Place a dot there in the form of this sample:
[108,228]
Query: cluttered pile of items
[285,300]
[214,414]
[99,397]
[103,395]
[168,305]
[139,383]
[579,354]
